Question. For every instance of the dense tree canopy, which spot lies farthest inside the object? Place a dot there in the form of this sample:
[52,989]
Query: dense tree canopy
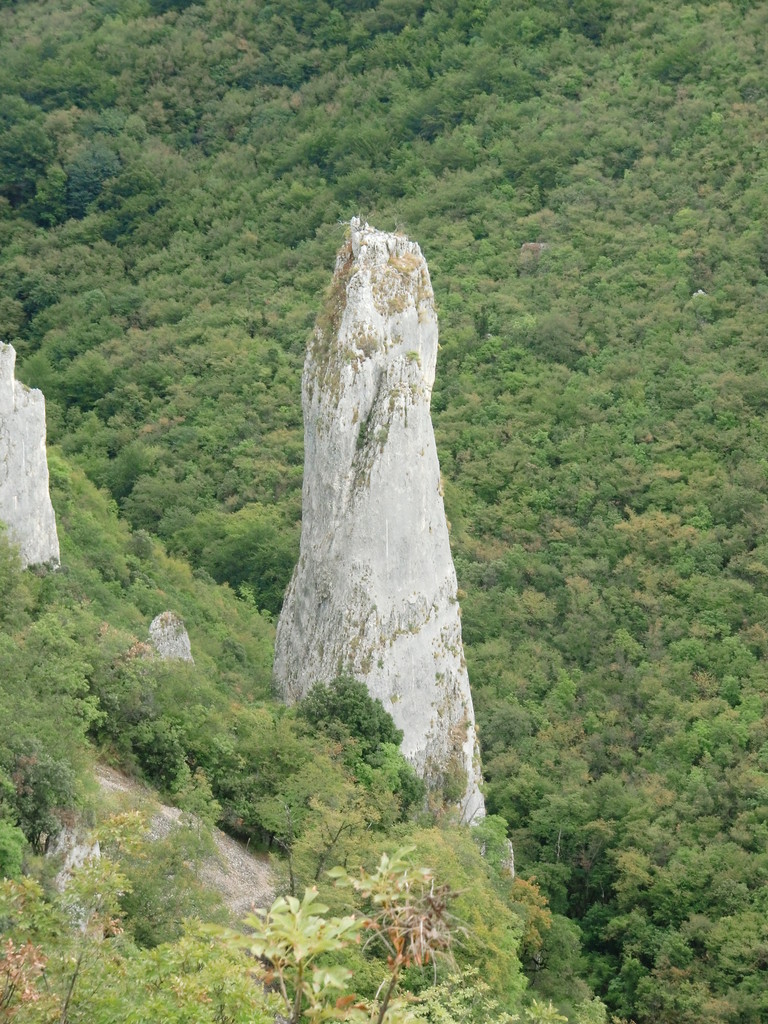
[587,180]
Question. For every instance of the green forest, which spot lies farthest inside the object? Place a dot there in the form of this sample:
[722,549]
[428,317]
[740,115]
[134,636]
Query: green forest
[588,180]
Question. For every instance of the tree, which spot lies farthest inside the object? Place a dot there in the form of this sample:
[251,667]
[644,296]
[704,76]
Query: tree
[44,788]
[86,174]
[344,707]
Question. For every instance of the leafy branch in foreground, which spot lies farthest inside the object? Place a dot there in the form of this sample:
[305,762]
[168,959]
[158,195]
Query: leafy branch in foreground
[408,914]
[289,938]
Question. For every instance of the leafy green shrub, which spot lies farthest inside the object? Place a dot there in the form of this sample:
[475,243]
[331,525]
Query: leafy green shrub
[164,889]
[44,790]
[12,843]
[344,707]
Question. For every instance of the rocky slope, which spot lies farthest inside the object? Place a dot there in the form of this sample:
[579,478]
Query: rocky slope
[25,504]
[374,593]
[245,880]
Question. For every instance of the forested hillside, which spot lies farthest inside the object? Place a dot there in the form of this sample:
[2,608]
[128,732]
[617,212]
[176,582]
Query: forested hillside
[588,182]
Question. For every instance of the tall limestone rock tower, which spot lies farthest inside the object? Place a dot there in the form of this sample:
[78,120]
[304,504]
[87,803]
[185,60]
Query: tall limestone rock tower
[25,504]
[374,593]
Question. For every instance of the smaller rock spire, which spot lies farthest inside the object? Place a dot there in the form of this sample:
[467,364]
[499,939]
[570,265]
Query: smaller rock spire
[168,635]
[25,503]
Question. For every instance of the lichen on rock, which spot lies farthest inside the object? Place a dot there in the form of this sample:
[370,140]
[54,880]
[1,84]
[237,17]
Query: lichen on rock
[25,502]
[375,592]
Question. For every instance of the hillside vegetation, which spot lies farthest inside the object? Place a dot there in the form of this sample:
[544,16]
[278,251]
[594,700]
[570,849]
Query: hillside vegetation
[588,181]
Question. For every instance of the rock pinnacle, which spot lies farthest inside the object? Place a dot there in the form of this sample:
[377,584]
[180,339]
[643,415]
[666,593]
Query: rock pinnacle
[374,594]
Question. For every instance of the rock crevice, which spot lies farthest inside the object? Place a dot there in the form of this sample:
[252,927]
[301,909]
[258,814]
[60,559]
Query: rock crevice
[375,592]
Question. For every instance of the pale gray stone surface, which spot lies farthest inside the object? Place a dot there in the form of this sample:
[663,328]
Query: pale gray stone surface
[25,503]
[375,592]
[168,635]
[76,847]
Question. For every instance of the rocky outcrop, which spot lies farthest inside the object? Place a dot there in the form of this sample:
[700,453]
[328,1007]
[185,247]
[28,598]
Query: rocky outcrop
[374,593]
[168,635]
[25,504]
[75,847]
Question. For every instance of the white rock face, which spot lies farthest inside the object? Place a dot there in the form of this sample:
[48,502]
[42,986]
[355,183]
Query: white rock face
[168,635]
[77,848]
[25,504]
[374,593]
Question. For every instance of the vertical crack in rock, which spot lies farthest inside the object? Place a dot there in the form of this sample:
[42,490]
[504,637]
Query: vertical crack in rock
[374,593]
[25,504]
